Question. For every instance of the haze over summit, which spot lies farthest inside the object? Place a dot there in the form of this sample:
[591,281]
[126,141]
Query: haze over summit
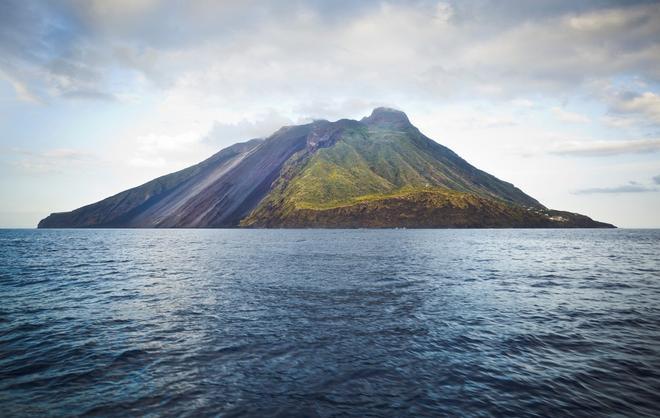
[560,99]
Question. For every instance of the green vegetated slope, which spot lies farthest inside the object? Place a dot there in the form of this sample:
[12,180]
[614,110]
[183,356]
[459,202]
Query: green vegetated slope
[380,176]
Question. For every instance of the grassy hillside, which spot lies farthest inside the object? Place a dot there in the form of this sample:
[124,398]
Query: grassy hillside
[375,176]
[365,164]
[428,208]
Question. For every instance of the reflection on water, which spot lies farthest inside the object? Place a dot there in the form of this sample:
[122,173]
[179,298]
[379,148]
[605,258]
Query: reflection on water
[324,323]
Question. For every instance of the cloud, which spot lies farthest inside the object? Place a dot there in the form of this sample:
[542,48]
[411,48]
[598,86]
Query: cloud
[607,148]
[158,149]
[524,103]
[628,188]
[89,95]
[294,52]
[630,102]
[224,134]
[66,154]
[646,104]
[569,117]
[583,46]
[620,122]
[55,160]
[631,187]
[489,121]
[22,92]
[49,50]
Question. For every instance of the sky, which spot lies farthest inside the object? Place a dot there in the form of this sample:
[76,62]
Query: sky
[560,98]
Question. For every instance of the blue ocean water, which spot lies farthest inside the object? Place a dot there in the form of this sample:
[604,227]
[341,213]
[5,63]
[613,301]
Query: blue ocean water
[330,323]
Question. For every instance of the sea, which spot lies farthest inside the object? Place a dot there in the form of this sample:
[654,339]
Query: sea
[330,323]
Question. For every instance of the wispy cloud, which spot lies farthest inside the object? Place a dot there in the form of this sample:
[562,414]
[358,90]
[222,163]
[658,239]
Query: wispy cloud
[89,95]
[224,134]
[22,91]
[628,188]
[55,160]
[569,117]
[631,187]
[607,148]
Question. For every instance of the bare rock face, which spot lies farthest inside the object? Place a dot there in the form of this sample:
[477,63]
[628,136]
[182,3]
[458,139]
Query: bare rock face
[215,193]
[376,172]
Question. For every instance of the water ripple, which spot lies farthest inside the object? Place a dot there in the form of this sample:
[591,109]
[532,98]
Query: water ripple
[329,323]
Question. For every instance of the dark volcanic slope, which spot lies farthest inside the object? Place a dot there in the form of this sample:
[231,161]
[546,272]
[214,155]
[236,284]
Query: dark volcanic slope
[215,193]
[377,172]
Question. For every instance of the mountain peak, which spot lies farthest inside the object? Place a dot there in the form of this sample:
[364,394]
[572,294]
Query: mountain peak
[387,117]
[377,172]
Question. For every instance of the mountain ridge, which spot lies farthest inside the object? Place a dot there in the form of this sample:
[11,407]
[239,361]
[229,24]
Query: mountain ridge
[380,171]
